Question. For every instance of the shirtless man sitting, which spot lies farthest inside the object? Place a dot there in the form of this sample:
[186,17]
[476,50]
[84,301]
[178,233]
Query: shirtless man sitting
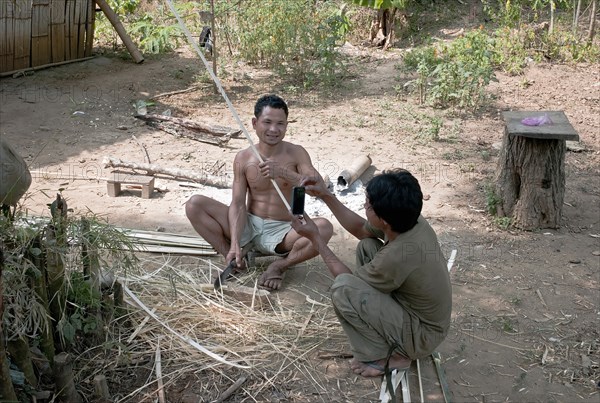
[257,214]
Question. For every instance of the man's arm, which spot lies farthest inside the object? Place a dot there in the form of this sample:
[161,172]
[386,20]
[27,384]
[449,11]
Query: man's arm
[352,222]
[308,229]
[237,213]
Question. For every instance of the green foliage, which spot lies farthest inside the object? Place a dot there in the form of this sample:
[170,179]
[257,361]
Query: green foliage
[511,13]
[491,199]
[84,304]
[153,37]
[454,74]
[381,4]
[297,39]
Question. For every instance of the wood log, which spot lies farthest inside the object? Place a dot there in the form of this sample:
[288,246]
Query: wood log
[116,23]
[223,182]
[180,131]
[7,391]
[63,377]
[214,130]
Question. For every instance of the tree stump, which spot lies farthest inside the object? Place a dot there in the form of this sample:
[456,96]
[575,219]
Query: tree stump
[531,170]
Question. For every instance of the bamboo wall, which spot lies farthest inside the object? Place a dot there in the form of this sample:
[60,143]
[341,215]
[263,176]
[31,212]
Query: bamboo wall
[38,32]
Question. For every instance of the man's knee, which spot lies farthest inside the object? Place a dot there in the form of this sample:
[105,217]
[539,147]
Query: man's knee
[366,250]
[325,228]
[195,205]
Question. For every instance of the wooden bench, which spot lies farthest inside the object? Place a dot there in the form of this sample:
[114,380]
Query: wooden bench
[530,184]
[113,183]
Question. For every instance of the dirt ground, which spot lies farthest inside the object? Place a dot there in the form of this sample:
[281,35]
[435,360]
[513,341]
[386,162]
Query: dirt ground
[526,304]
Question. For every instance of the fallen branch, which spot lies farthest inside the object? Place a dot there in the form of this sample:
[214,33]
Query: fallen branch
[168,94]
[179,131]
[151,169]
[231,390]
[214,130]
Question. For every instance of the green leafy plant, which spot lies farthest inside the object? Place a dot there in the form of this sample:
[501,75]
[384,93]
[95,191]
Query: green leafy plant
[455,74]
[297,39]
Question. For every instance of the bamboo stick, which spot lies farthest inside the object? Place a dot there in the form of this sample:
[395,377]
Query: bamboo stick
[114,20]
[46,337]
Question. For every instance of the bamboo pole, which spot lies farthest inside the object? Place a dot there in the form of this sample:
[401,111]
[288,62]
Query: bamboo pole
[7,391]
[16,73]
[46,337]
[114,20]
[348,176]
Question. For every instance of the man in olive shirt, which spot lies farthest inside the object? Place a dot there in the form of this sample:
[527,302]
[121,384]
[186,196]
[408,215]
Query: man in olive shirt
[396,305]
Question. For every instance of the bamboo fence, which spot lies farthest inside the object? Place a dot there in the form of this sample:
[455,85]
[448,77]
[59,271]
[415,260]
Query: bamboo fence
[40,32]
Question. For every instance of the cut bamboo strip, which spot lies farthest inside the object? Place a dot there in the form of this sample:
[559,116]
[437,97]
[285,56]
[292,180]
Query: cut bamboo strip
[57,30]
[183,338]
[174,250]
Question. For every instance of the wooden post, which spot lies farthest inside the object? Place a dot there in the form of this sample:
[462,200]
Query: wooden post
[41,290]
[531,170]
[7,392]
[114,20]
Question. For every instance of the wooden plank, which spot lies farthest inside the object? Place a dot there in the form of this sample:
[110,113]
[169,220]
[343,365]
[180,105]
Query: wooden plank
[90,27]
[22,38]
[6,36]
[57,31]
[560,129]
[40,33]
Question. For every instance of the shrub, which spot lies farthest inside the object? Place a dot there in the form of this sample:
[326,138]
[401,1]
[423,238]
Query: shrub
[457,73]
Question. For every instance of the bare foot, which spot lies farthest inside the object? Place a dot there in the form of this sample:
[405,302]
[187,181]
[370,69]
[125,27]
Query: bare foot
[272,278]
[377,367]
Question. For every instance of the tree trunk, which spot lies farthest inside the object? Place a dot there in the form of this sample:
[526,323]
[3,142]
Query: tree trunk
[576,13]
[531,181]
[7,391]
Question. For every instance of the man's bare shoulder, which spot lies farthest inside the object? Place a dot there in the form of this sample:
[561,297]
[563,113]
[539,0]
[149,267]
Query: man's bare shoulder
[294,148]
[245,155]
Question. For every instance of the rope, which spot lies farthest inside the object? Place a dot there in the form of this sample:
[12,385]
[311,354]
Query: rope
[217,82]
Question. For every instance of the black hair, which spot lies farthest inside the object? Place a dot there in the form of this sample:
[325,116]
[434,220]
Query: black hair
[396,197]
[272,100]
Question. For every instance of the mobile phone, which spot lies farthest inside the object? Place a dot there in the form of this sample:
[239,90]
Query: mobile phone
[298,200]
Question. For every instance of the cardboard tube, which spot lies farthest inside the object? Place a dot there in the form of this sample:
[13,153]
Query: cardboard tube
[348,176]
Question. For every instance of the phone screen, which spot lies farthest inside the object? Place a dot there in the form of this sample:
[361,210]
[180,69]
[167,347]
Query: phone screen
[298,200]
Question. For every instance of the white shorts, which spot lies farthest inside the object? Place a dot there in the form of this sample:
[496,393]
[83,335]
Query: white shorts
[264,235]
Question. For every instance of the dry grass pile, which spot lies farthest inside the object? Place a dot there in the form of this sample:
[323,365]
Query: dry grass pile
[179,324]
